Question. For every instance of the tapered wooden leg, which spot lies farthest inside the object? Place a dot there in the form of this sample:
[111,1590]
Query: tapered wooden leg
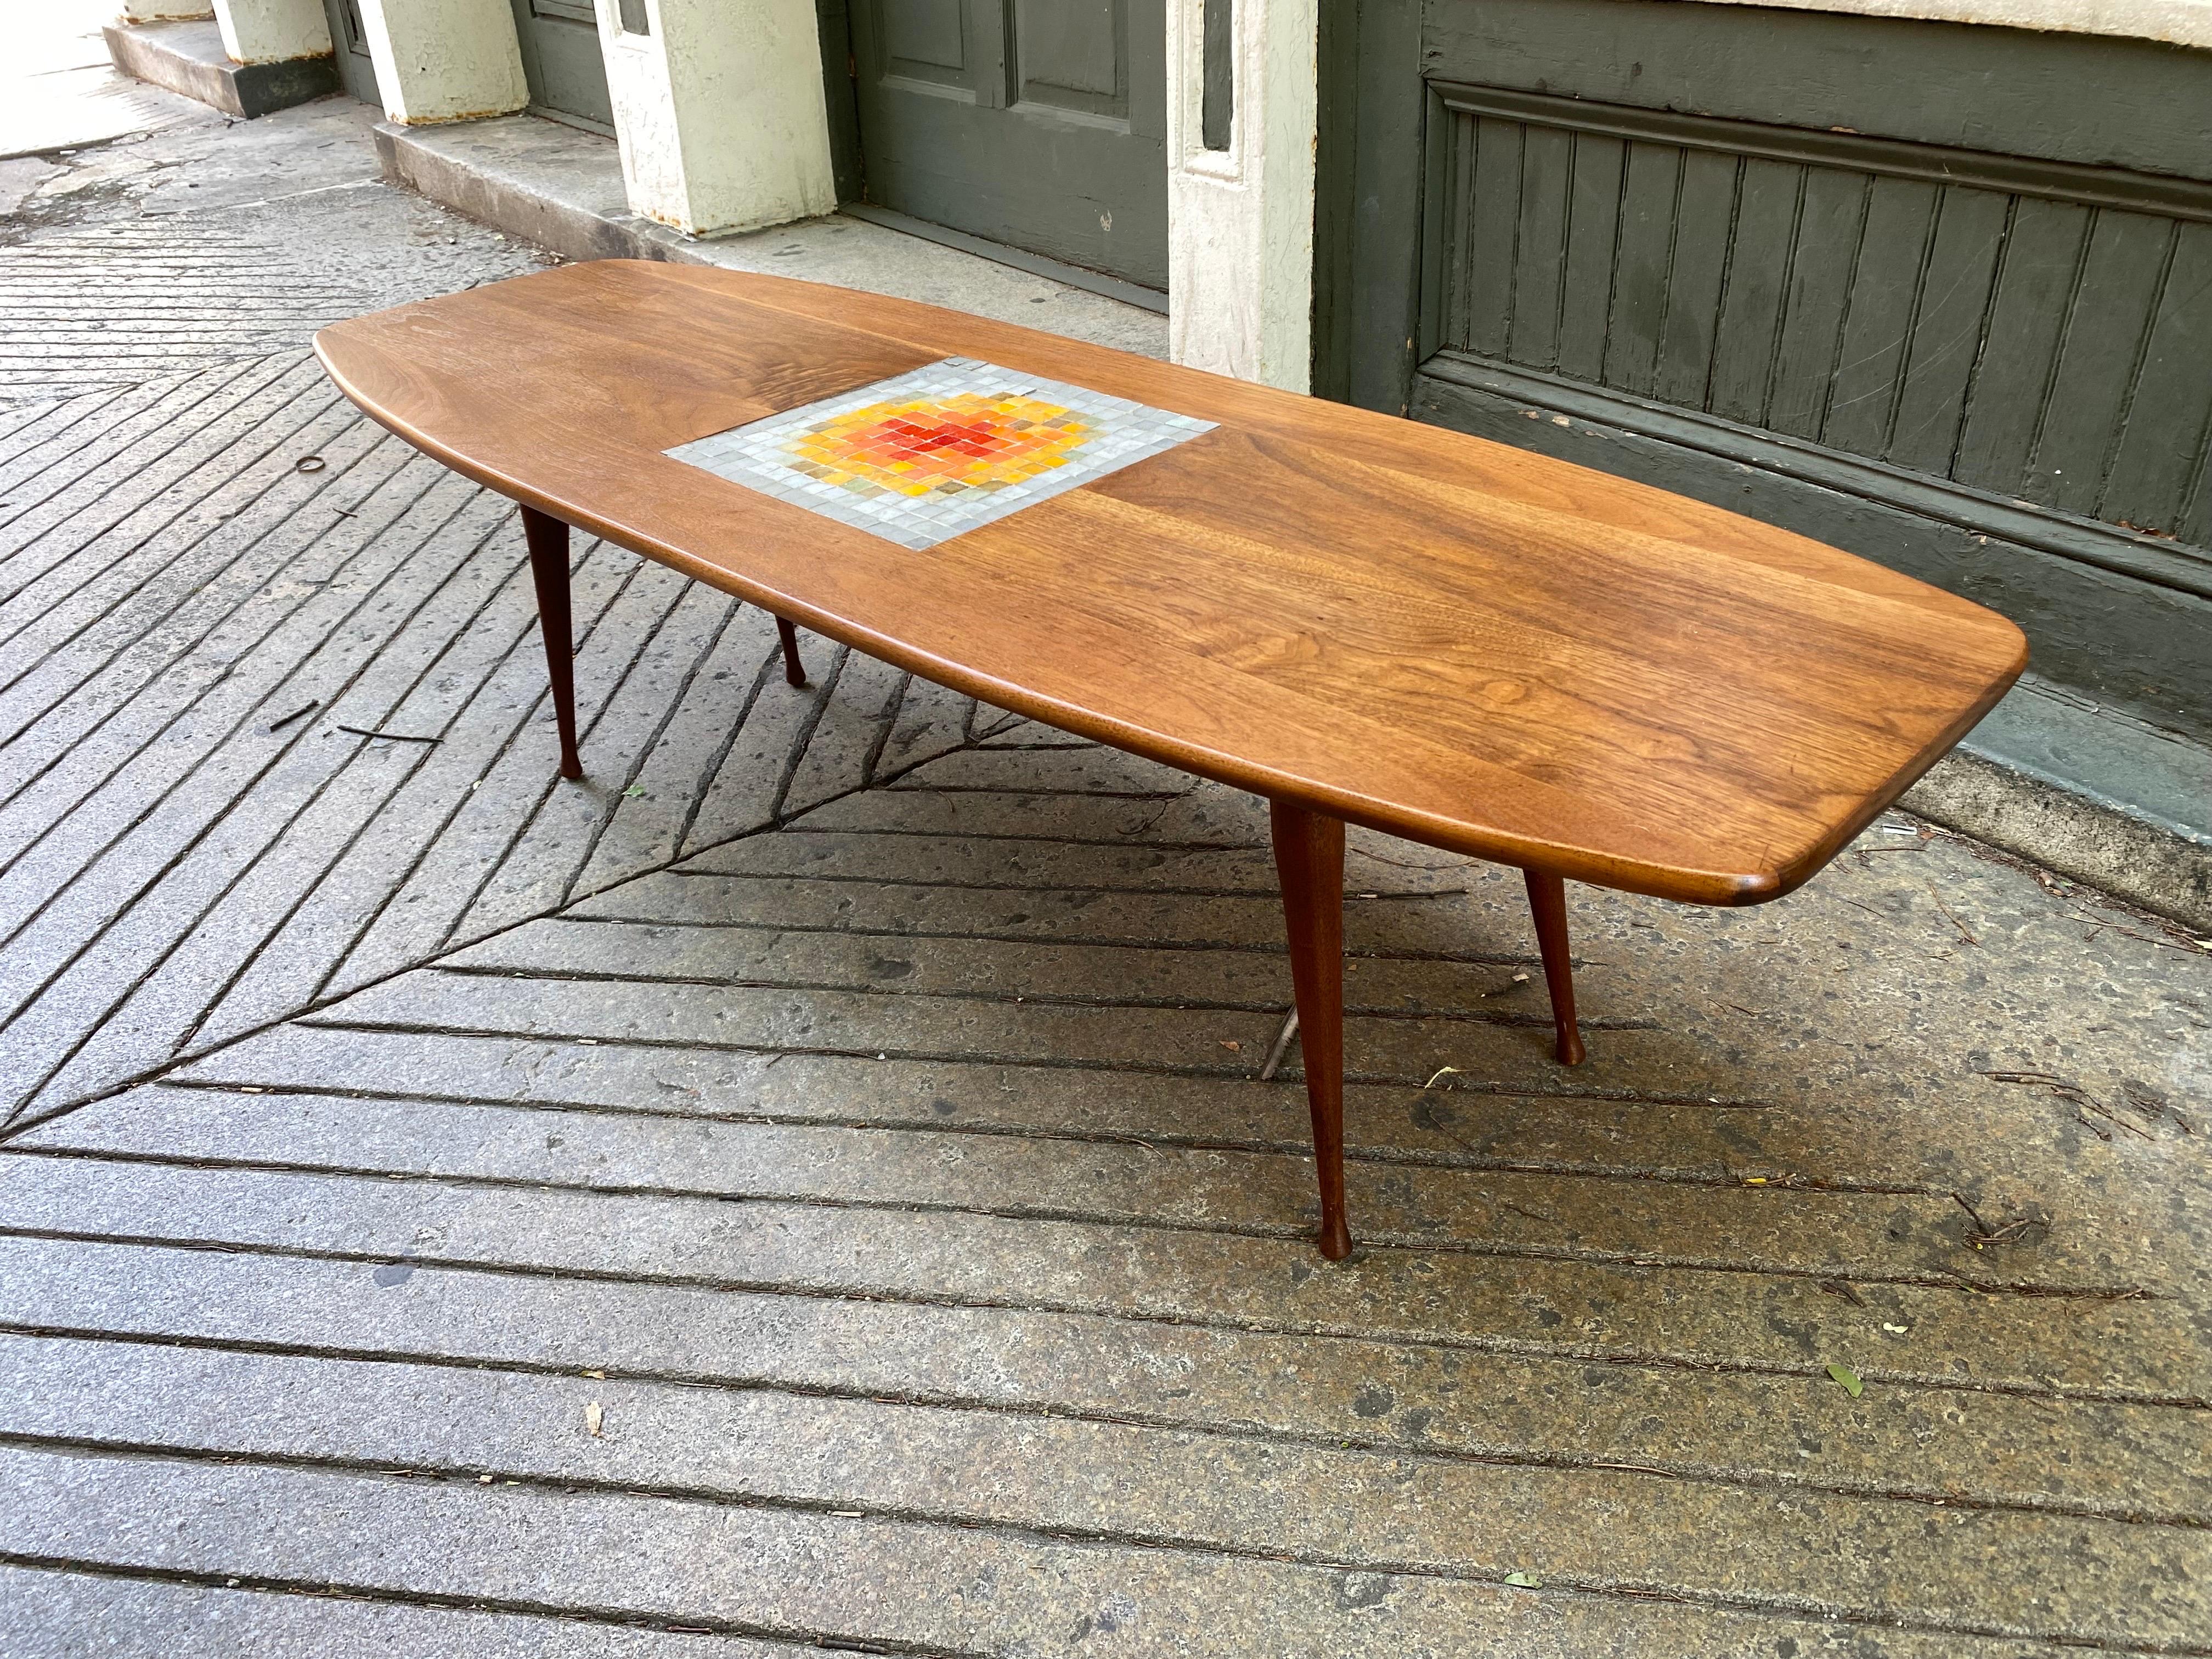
[1547,898]
[793,674]
[1309,863]
[549,566]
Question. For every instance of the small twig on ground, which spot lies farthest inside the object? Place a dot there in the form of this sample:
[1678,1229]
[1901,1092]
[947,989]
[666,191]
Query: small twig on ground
[1532,1214]
[396,736]
[300,713]
[1952,919]
[1281,1046]
[2073,1095]
[1837,1287]
[2153,1104]
[2013,1231]
[1856,905]
[1407,864]
[2100,924]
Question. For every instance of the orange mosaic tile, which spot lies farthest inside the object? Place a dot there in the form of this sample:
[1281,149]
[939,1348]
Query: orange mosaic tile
[938,451]
[946,444]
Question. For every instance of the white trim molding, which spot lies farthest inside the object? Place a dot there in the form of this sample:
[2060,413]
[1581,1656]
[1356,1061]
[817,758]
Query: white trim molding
[2179,22]
[166,11]
[720,111]
[273,31]
[1240,220]
[445,60]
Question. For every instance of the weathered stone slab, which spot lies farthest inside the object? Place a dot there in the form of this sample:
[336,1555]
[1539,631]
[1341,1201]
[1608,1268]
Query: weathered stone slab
[132,624]
[130,843]
[465,847]
[998,861]
[69,494]
[840,750]
[753,771]
[1428,925]
[762,952]
[86,609]
[2139,1350]
[177,950]
[1958,1444]
[1454,1126]
[621,697]
[196,701]
[1862,1559]
[492,713]
[930,1586]
[662,785]
[1857,1235]
[1090,769]
[1206,816]
[930,721]
[59,1615]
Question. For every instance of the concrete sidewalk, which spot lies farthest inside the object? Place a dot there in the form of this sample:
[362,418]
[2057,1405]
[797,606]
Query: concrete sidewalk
[810,1184]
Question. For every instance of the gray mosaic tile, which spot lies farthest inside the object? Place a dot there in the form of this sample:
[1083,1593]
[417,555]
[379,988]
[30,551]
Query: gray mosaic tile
[944,449]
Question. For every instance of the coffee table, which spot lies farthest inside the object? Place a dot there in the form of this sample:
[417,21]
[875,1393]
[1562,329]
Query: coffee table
[1366,620]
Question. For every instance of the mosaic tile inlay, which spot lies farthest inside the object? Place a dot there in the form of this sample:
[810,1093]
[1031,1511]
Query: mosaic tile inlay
[929,455]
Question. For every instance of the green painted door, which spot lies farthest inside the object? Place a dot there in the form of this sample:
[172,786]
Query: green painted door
[1038,123]
[560,57]
[1937,293]
[356,73]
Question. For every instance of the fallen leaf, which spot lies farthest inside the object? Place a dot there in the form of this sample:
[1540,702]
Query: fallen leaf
[1895,1330]
[593,1417]
[634,790]
[1441,1071]
[1234,1048]
[1524,1580]
[1847,1379]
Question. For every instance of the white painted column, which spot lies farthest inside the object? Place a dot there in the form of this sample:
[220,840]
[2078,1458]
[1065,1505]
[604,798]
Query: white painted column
[719,108]
[445,60]
[273,31]
[164,11]
[1240,220]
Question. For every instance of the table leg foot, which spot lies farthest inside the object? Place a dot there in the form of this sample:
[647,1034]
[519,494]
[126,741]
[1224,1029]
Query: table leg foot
[1309,862]
[548,568]
[793,672]
[1547,898]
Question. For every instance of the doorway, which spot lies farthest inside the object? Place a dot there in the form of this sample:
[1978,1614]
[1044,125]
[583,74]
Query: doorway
[1038,124]
[356,74]
[561,58]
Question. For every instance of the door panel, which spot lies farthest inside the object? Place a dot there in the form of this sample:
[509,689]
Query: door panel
[1068,54]
[356,72]
[560,58]
[921,40]
[1039,124]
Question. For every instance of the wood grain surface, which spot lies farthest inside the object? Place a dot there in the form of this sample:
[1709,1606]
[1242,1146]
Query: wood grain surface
[1442,638]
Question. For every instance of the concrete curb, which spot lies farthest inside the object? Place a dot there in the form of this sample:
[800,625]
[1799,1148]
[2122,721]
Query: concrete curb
[2064,829]
[2084,791]
[188,58]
